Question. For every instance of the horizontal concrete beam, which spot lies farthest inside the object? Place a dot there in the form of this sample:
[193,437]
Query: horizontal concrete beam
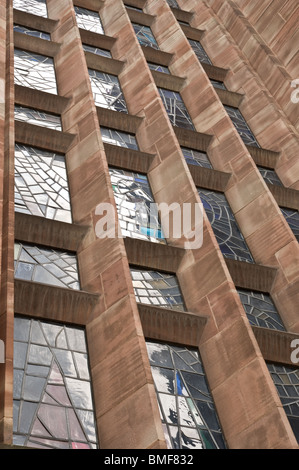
[128,159]
[103,64]
[209,178]
[41,100]
[52,233]
[251,276]
[192,139]
[97,40]
[158,256]
[171,326]
[54,303]
[170,82]
[36,45]
[285,197]
[275,345]
[121,121]
[34,21]
[43,137]
[140,17]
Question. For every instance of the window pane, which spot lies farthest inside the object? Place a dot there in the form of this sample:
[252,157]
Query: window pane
[224,225]
[188,413]
[217,84]
[176,109]
[157,288]
[46,265]
[145,36]
[35,7]
[173,3]
[97,50]
[260,309]
[270,176]
[122,139]
[292,218]
[199,51]
[286,379]
[89,20]
[53,405]
[41,186]
[158,68]
[137,213]
[36,117]
[32,32]
[35,71]
[106,91]
[241,126]
[195,157]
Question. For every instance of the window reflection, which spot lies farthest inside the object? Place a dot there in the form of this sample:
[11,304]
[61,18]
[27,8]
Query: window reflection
[157,288]
[145,36]
[35,7]
[176,109]
[46,265]
[106,91]
[53,406]
[89,20]
[187,410]
[41,186]
[34,71]
[137,213]
[38,118]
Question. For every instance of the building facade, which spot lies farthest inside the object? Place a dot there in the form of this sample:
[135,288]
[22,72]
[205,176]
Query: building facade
[126,335]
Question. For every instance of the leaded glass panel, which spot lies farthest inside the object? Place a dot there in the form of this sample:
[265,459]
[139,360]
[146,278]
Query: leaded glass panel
[158,68]
[195,157]
[41,186]
[176,109]
[89,20]
[224,225]
[217,84]
[137,213]
[260,309]
[292,218]
[199,51]
[157,288]
[270,176]
[286,380]
[145,36]
[241,125]
[34,71]
[32,32]
[97,50]
[173,3]
[46,265]
[187,410]
[106,91]
[35,7]
[38,118]
[119,138]
[53,404]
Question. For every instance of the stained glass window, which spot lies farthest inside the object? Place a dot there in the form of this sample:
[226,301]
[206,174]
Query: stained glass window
[41,186]
[188,414]
[97,50]
[35,71]
[195,157]
[145,36]
[286,380]
[53,405]
[176,109]
[119,138]
[224,225]
[35,7]
[241,125]
[157,288]
[292,218]
[218,84]
[32,32]
[158,68]
[260,309]
[199,51]
[269,175]
[106,91]
[38,118]
[173,3]
[137,213]
[89,20]
[46,265]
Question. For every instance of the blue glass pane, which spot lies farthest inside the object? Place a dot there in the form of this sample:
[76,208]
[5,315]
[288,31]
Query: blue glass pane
[145,36]
[270,176]
[260,309]
[241,125]
[292,218]
[199,51]
[107,92]
[224,225]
